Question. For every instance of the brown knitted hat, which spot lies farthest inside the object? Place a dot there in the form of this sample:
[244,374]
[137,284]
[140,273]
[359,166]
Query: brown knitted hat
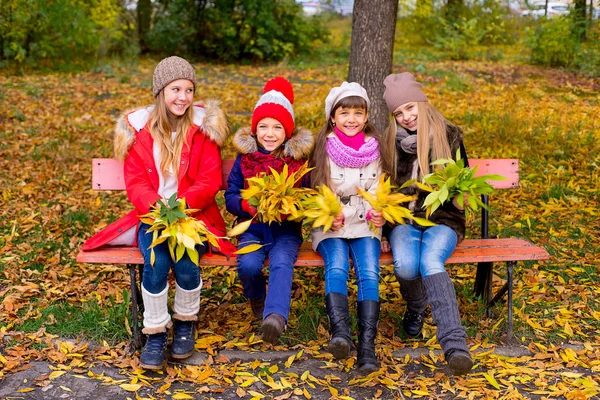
[401,89]
[170,69]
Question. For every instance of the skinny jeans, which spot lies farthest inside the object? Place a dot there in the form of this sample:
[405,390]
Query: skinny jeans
[365,253]
[154,277]
[421,252]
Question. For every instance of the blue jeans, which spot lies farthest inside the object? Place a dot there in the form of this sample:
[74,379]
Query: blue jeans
[365,256]
[154,278]
[421,252]
[282,253]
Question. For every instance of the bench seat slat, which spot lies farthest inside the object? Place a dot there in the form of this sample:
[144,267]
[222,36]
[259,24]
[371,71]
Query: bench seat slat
[469,251]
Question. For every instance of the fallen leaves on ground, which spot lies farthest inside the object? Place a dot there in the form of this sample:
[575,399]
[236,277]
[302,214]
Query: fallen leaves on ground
[53,124]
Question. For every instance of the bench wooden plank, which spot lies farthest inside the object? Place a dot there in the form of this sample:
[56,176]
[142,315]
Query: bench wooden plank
[107,173]
[469,251]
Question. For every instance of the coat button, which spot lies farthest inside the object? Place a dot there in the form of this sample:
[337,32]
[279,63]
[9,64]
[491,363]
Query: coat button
[150,170]
[360,216]
[361,175]
[135,142]
[120,229]
[373,175]
[183,162]
[341,175]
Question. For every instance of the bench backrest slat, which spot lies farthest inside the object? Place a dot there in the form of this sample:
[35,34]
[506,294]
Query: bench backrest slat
[107,173]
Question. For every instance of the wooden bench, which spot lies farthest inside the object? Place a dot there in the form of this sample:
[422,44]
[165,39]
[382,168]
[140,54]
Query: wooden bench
[107,174]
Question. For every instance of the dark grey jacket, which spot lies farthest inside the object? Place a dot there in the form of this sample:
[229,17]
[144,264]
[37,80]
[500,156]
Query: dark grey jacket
[446,214]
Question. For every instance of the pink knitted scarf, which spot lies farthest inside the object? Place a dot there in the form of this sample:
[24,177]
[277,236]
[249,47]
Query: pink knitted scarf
[348,157]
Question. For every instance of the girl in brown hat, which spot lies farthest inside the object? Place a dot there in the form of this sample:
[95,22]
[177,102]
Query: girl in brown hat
[421,135]
[170,147]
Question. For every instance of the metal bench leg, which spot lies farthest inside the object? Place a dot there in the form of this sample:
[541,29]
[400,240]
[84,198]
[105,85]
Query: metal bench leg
[509,272]
[137,337]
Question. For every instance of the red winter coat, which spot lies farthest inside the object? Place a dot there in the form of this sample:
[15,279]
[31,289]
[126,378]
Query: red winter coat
[200,174]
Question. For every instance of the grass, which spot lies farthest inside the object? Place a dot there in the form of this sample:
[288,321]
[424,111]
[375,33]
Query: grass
[87,320]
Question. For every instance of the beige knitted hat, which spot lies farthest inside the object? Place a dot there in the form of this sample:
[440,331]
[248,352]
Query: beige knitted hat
[401,89]
[170,69]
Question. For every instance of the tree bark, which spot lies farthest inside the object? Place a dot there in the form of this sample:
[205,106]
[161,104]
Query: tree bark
[144,16]
[372,50]
[580,18]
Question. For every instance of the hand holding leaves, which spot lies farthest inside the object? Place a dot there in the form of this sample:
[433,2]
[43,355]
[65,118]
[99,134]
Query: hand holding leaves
[388,204]
[453,182]
[170,221]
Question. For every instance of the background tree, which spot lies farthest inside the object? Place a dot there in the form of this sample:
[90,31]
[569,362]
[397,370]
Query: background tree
[372,50]
[144,18]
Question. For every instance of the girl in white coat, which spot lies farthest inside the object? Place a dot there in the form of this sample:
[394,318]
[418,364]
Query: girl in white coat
[347,156]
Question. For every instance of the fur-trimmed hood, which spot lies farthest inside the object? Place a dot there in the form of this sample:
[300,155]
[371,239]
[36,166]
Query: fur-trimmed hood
[207,115]
[298,146]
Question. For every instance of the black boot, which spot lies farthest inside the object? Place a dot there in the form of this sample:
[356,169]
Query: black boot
[339,325]
[451,335]
[368,316]
[184,339]
[413,292]
[153,354]
[258,308]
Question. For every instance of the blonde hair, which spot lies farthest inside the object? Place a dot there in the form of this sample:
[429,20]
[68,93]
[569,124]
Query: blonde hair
[161,131]
[319,159]
[431,146]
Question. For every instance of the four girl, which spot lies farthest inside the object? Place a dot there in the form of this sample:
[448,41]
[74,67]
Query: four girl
[173,147]
[271,142]
[348,156]
[422,135]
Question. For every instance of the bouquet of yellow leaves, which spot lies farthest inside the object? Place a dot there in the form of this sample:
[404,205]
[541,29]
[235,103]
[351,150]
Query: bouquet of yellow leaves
[455,180]
[274,195]
[388,204]
[170,221]
[319,207]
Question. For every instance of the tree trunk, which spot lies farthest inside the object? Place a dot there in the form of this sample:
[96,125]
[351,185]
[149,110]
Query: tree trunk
[580,12]
[372,50]
[453,10]
[144,16]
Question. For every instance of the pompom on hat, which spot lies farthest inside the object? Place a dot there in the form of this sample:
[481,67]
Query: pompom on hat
[401,89]
[277,102]
[344,90]
[170,69]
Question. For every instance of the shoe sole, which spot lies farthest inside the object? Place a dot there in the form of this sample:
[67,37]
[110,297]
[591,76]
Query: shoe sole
[460,364]
[152,367]
[182,356]
[270,333]
[340,348]
[367,369]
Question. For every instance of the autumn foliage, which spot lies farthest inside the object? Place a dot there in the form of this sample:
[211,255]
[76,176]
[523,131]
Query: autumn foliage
[53,124]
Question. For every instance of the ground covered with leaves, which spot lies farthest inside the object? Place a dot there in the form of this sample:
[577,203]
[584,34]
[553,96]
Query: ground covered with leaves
[53,124]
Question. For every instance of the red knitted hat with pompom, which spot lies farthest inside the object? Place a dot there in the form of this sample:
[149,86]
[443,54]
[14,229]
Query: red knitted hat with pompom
[276,102]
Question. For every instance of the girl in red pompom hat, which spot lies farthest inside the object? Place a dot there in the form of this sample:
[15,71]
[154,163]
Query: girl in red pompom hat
[271,141]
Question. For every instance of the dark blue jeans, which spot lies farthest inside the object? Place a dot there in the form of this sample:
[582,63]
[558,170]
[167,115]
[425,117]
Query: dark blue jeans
[365,257]
[154,278]
[282,254]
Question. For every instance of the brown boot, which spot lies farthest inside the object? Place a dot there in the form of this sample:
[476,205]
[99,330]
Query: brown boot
[272,327]
[258,308]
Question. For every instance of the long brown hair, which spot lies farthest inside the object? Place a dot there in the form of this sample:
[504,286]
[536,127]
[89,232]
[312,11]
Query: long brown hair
[431,146]
[161,131]
[320,159]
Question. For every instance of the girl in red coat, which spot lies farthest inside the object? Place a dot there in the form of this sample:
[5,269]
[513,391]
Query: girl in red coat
[171,147]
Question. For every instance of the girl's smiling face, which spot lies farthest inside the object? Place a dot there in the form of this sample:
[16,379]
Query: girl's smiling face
[350,120]
[179,96]
[407,115]
[270,133]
